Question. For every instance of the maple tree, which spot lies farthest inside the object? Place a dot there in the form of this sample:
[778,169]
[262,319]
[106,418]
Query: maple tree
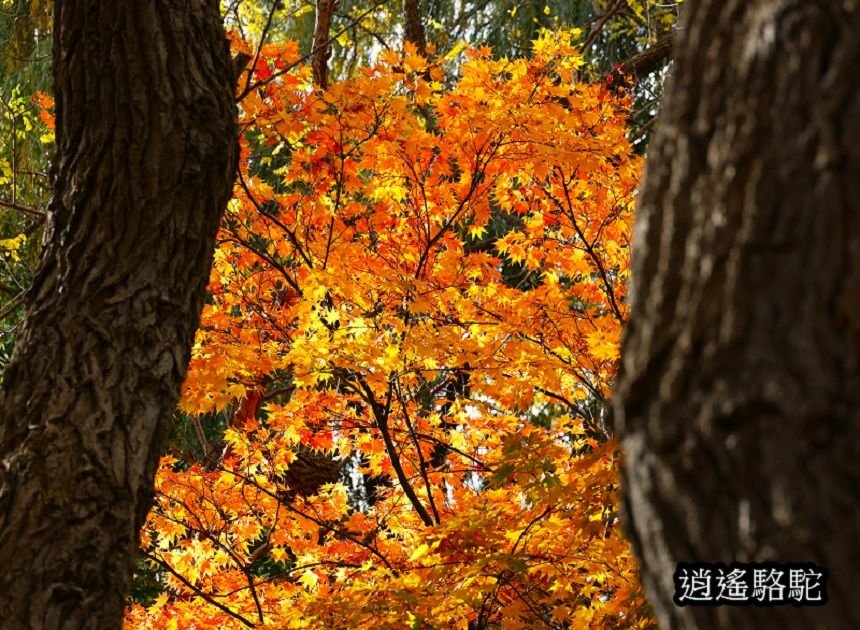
[398,388]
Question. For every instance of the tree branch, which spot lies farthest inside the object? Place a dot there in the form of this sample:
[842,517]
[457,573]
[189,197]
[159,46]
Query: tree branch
[649,59]
[381,412]
[303,59]
[196,590]
[40,214]
[11,306]
[592,36]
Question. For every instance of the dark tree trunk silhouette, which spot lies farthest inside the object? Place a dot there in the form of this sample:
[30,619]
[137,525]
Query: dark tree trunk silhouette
[739,399]
[146,153]
[413,26]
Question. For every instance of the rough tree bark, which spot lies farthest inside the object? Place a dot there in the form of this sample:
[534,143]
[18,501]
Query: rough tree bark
[146,153]
[739,399]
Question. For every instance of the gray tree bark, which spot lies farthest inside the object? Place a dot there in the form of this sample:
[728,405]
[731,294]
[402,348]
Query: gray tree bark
[738,404]
[146,154]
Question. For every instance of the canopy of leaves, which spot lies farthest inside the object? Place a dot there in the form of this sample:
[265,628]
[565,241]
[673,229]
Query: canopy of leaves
[397,386]
[614,31]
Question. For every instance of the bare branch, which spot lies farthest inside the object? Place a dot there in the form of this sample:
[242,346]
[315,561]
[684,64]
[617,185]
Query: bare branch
[649,59]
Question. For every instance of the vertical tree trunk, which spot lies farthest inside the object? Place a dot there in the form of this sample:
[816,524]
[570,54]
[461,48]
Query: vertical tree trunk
[739,402]
[321,47]
[413,27]
[146,153]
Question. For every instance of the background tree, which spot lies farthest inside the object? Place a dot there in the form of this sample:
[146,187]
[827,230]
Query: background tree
[612,34]
[146,151]
[25,151]
[738,403]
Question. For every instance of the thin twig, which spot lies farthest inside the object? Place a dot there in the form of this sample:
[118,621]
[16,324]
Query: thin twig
[196,590]
[303,59]
[12,306]
[381,413]
[275,6]
[17,206]
[592,36]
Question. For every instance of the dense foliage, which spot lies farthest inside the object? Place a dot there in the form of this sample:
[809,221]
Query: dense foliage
[398,384]
[396,412]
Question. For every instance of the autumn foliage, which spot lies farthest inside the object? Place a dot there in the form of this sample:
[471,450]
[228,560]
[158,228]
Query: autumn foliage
[400,380]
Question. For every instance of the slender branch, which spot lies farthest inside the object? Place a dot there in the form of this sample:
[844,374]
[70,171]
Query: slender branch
[11,306]
[196,590]
[201,436]
[381,412]
[589,247]
[643,130]
[290,233]
[649,59]
[336,530]
[431,438]
[422,465]
[303,59]
[477,178]
[31,211]
[592,36]
[288,389]
[275,6]
[558,397]
[533,522]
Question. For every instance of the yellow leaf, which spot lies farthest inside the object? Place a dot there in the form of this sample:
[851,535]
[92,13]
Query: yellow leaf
[420,551]
[310,580]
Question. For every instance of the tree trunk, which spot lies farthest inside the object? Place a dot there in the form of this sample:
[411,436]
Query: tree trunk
[413,26]
[739,399]
[321,47]
[146,153]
